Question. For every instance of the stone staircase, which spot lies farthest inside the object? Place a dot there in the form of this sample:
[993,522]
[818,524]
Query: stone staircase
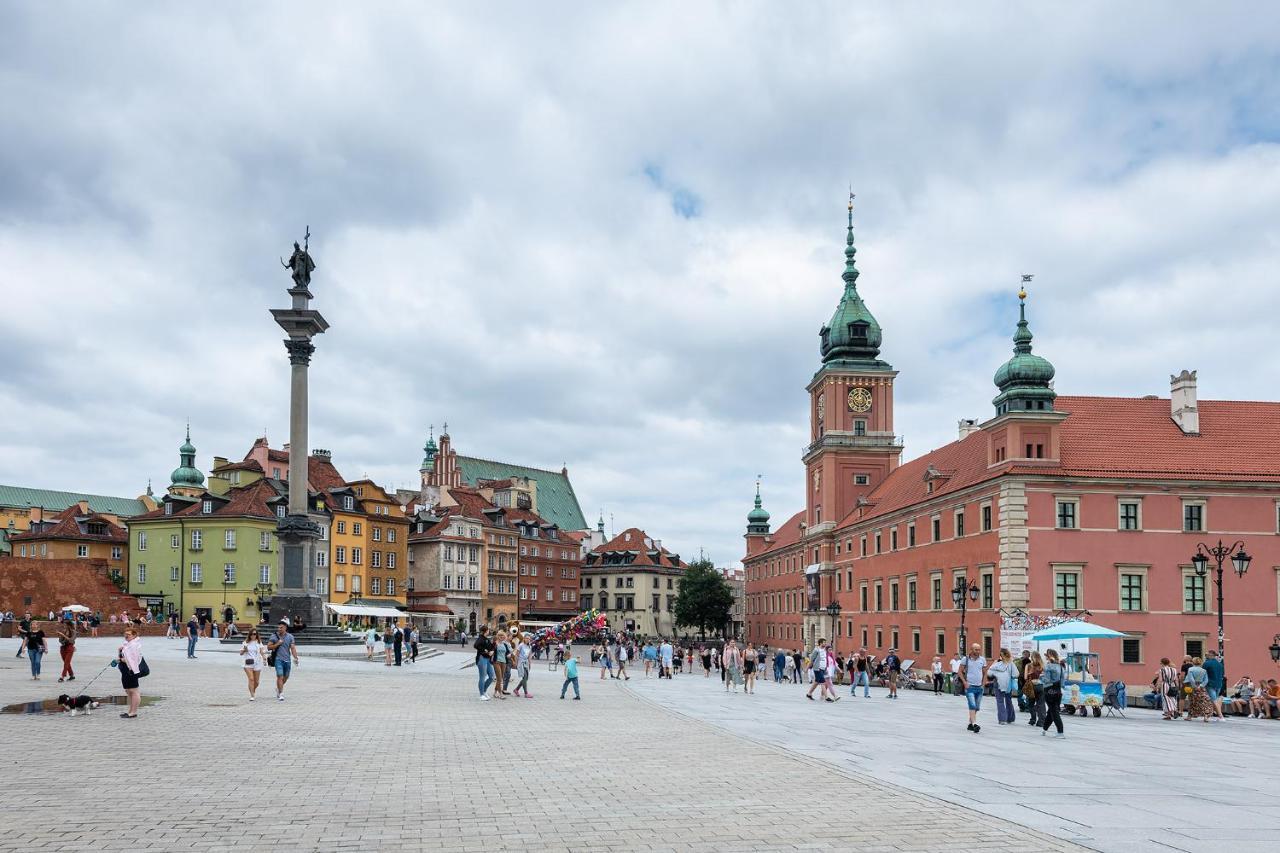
[312,635]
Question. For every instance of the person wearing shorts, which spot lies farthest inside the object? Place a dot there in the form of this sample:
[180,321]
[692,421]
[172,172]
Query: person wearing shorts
[286,651]
[972,672]
[819,661]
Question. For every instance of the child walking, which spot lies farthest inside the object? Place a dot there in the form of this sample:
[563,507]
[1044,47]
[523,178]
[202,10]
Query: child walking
[571,677]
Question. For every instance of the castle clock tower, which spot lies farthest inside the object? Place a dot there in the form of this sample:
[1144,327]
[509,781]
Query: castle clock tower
[852,443]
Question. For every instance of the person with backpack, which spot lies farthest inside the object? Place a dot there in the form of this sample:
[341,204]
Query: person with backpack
[818,663]
[1052,679]
[892,669]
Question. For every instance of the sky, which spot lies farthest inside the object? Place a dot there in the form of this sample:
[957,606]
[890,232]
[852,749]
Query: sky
[606,235]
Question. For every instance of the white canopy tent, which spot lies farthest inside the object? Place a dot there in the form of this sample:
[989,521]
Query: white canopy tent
[75,608]
[363,610]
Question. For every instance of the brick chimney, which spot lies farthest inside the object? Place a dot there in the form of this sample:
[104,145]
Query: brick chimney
[1182,400]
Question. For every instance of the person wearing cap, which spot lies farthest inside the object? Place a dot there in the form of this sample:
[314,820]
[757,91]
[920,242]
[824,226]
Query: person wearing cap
[286,652]
[892,666]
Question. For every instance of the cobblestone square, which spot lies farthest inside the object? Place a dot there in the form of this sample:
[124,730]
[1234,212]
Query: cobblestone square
[361,757]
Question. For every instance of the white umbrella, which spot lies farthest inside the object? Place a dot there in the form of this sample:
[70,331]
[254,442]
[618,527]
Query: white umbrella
[76,608]
[1076,629]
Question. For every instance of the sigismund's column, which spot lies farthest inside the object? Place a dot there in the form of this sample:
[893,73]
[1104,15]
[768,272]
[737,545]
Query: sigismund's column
[295,596]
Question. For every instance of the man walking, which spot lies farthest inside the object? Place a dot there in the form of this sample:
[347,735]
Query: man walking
[779,664]
[862,668]
[892,667]
[972,671]
[818,661]
[666,652]
[397,643]
[1216,687]
[286,652]
[24,628]
[193,631]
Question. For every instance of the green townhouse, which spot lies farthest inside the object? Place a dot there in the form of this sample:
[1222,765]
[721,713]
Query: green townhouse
[211,552]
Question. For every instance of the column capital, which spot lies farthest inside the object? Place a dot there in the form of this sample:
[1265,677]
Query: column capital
[300,350]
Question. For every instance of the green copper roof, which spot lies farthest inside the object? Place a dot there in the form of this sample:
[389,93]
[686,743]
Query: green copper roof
[557,502]
[853,337]
[186,474]
[1024,380]
[22,497]
[429,451]
[758,518]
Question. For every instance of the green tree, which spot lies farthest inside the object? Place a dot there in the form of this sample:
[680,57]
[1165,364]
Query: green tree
[704,599]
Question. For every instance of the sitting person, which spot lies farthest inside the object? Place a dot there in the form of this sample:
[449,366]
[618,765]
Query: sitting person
[1241,696]
[1264,702]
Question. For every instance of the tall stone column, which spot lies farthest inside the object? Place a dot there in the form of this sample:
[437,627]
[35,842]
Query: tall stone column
[296,596]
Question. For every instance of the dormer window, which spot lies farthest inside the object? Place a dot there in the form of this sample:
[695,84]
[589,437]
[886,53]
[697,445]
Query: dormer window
[858,332]
[168,509]
[348,503]
[206,507]
[280,510]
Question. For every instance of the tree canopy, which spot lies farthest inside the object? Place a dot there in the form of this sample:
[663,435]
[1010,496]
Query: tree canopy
[704,599]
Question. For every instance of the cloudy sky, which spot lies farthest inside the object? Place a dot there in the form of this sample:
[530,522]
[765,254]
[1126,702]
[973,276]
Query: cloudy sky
[606,235]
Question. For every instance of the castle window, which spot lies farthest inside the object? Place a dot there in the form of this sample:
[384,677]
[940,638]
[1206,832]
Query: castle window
[860,427]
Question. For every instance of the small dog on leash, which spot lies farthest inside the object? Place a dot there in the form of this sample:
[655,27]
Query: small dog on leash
[76,704]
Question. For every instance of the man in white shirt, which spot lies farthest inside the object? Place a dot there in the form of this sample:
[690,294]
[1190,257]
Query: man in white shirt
[956,660]
[665,655]
[972,672]
[818,665]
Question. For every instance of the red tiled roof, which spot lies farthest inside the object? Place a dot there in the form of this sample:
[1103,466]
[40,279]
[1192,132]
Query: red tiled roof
[66,525]
[246,465]
[251,500]
[784,537]
[634,539]
[1126,437]
[1136,437]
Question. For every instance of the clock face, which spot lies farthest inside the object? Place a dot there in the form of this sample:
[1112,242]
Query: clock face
[859,400]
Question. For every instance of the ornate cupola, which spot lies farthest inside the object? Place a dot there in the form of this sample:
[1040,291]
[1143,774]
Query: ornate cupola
[853,446]
[429,451]
[852,338]
[758,518]
[186,478]
[1024,380]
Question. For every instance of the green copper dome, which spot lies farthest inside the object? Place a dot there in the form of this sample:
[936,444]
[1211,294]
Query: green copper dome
[758,518]
[186,474]
[1024,379]
[853,333]
[429,451]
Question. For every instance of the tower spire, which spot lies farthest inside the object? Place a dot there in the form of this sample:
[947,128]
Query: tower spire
[850,270]
[758,518]
[1024,381]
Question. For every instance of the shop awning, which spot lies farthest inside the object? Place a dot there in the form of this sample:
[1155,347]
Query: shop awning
[363,610]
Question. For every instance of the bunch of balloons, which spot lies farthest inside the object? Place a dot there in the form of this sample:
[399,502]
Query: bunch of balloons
[586,624]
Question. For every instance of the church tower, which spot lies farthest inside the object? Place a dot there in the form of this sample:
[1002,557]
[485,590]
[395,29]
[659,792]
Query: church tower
[757,526]
[852,443]
[186,480]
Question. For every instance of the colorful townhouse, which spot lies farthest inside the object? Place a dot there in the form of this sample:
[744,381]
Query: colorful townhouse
[76,532]
[20,506]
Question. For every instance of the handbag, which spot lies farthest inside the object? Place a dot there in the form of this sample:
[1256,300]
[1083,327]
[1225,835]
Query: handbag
[143,669]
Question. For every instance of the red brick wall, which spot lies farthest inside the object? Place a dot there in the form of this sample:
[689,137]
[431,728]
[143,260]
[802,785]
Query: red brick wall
[44,585]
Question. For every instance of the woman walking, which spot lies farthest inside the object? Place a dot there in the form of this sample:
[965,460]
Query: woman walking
[937,675]
[730,663]
[36,648]
[1052,679]
[1199,705]
[252,654]
[388,643]
[501,654]
[1170,689]
[1033,690]
[1005,675]
[67,648]
[749,663]
[370,638]
[129,659]
[523,653]
[706,662]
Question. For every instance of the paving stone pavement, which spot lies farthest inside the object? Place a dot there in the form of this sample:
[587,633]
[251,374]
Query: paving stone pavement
[1113,785]
[364,758]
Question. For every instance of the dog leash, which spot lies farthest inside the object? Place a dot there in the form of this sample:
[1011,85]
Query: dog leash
[85,689]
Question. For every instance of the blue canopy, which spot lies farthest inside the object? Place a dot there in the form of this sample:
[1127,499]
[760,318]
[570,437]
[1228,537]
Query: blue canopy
[1076,629]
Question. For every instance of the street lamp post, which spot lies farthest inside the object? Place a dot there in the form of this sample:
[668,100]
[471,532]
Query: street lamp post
[1240,562]
[1275,648]
[833,610]
[964,592]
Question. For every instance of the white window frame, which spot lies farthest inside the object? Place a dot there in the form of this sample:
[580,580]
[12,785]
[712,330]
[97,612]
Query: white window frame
[197,540]
[175,574]
[264,574]
[1121,502]
[142,572]
[391,559]
[229,539]
[197,573]
[142,540]
[1058,500]
[1204,514]
[175,540]
[229,574]
[339,583]
[82,550]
